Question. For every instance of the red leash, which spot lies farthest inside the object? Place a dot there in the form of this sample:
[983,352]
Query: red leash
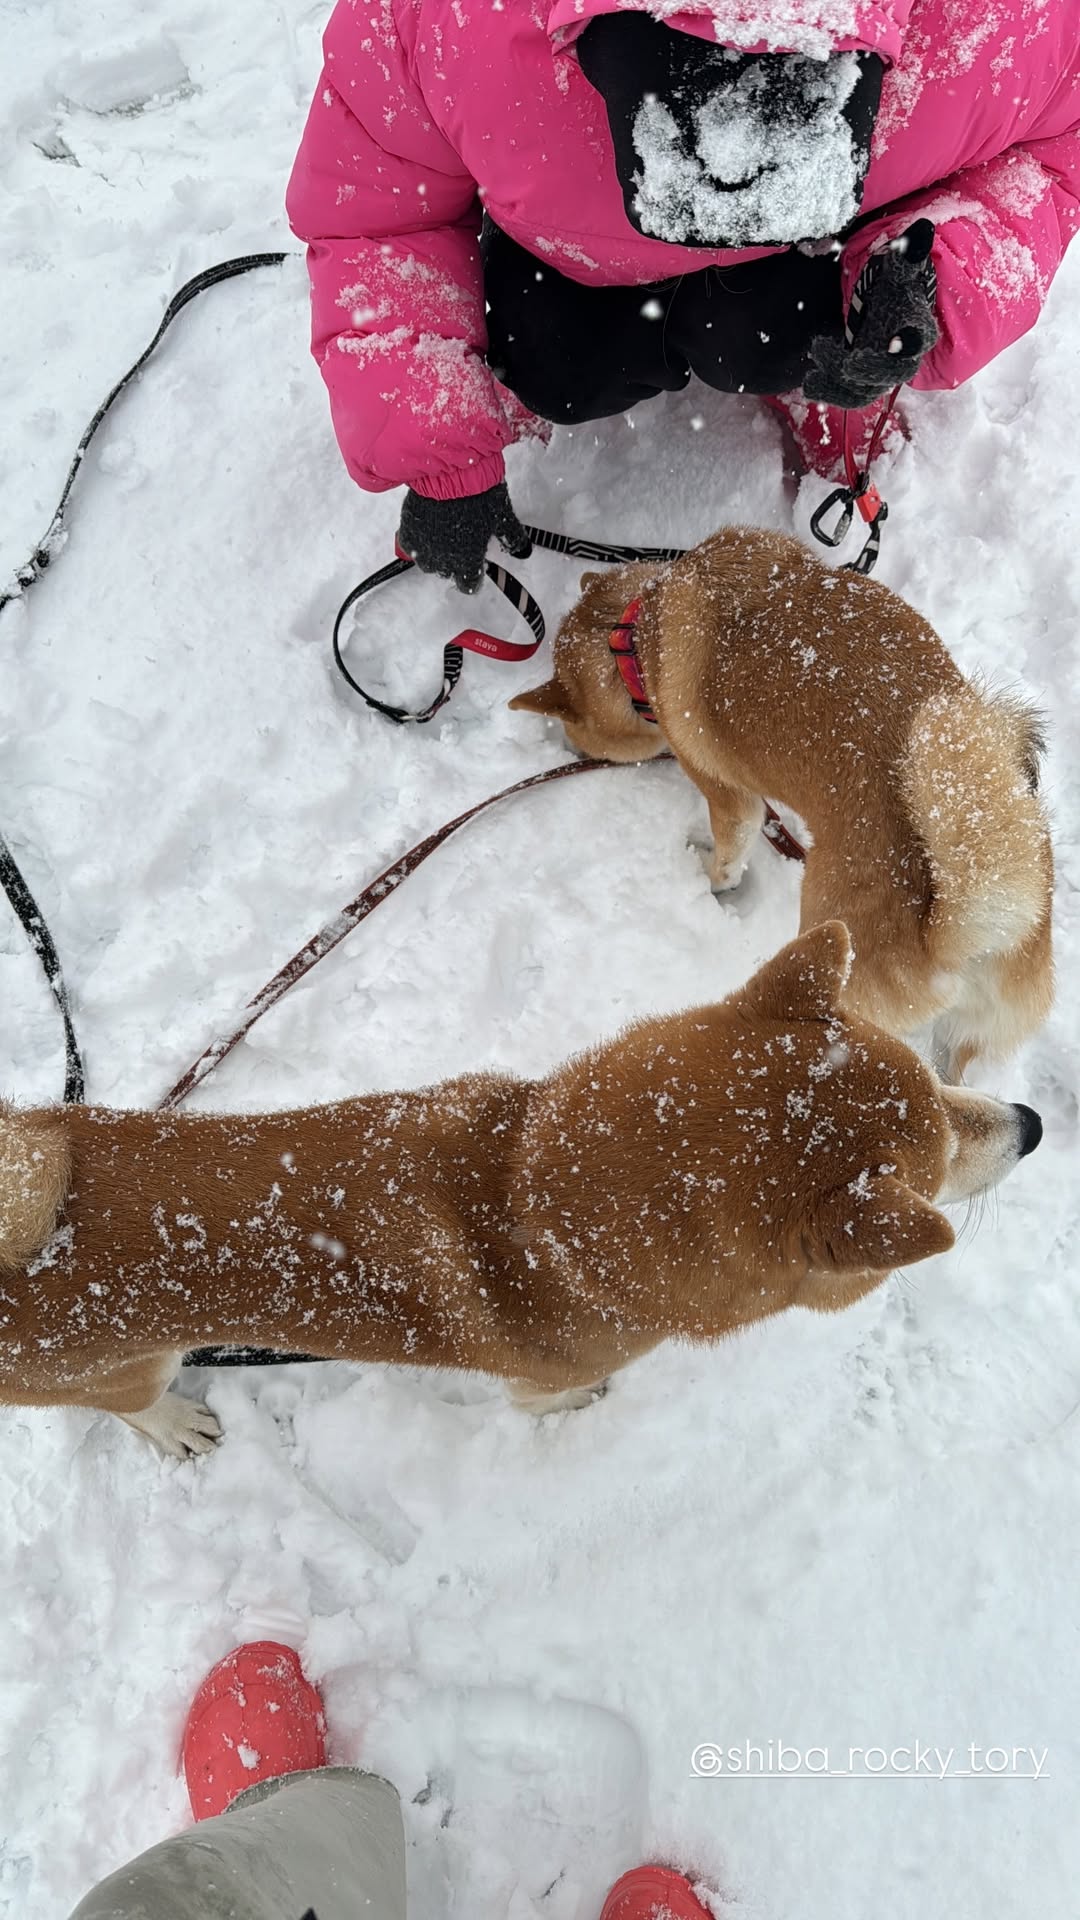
[341,925]
[866,496]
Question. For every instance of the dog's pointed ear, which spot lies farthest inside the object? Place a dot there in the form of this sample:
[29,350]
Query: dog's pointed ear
[874,1223]
[550,698]
[589,580]
[805,980]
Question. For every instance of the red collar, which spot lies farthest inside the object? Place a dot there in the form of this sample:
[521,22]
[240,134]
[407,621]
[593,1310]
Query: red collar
[622,646]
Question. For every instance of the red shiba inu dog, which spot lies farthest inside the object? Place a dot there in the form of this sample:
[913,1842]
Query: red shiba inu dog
[700,1172]
[771,675]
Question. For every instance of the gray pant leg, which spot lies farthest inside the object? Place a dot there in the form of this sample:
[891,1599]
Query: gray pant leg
[330,1840]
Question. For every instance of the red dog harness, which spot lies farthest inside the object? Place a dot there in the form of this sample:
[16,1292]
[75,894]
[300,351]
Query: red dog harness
[628,663]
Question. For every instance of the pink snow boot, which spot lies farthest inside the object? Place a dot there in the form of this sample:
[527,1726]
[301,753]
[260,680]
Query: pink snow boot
[653,1893]
[253,1718]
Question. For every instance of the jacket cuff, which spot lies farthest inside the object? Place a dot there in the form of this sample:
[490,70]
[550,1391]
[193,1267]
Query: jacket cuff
[462,482]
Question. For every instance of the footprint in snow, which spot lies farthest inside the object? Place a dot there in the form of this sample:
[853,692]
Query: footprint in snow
[554,1790]
[126,78]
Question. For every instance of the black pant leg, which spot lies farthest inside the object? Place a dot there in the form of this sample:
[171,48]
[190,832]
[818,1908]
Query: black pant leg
[574,352]
[747,329]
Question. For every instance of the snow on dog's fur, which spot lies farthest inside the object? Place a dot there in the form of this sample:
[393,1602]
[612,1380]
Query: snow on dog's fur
[700,1172]
[773,675]
[34,1172]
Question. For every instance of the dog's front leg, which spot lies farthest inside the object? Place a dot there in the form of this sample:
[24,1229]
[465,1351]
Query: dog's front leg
[177,1426]
[735,818]
[137,1391]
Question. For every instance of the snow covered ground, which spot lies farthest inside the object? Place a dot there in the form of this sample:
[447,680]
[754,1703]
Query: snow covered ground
[858,1532]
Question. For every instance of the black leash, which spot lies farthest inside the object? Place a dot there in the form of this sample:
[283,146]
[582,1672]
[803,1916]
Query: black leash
[47,548]
[12,881]
[29,913]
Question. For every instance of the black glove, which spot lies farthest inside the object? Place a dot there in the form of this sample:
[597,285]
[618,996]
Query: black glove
[450,537]
[890,326]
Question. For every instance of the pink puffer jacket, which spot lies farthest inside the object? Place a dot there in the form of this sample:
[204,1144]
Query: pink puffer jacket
[427,108]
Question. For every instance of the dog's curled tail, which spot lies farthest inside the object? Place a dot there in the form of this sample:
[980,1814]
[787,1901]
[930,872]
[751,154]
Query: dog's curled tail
[35,1168]
[970,778]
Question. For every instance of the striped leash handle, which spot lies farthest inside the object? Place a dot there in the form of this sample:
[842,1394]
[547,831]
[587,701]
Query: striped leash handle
[475,639]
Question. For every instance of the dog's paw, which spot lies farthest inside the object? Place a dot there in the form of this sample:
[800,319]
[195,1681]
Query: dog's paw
[724,875]
[533,1400]
[177,1427]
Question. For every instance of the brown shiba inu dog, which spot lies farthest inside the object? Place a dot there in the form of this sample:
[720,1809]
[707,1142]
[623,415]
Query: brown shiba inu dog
[771,675]
[701,1172]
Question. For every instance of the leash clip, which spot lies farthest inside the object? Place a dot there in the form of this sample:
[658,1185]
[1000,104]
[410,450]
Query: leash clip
[872,509]
[863,494]
[835,536]
[860,492]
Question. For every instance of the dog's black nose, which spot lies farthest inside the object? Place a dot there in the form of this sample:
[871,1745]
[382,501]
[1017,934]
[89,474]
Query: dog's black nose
[1031,1128]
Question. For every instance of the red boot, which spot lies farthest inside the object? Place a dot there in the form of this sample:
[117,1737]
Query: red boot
[254,1717]
[818,432]
[653,1893]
